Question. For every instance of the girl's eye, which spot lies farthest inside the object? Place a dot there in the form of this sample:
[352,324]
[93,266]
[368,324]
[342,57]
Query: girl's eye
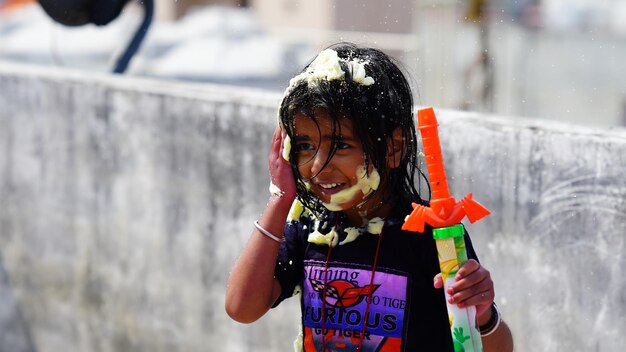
[302,147]
[341,145]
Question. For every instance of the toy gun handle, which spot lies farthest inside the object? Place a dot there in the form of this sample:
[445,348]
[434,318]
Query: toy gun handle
[452,255]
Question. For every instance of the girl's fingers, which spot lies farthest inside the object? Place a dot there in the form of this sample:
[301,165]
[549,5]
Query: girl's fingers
[276,153]
[464,282]
[281,174]
[276,142]
[473,287]
[473,297]
[469,267]
[461,294]
[438,281]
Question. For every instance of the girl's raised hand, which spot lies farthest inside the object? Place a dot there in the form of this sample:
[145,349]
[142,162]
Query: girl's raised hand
[473,287]
[281,174]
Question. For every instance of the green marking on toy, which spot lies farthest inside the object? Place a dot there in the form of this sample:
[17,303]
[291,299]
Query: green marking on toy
[458,339]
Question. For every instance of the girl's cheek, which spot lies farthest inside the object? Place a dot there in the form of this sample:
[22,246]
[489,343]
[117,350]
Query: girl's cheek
[303,172]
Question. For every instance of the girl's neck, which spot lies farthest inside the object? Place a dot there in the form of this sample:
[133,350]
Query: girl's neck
[375,207]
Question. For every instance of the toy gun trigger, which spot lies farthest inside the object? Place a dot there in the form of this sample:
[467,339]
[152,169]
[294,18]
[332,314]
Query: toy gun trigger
[473,209]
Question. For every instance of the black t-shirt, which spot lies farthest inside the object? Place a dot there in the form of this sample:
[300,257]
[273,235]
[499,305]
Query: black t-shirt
[406,313]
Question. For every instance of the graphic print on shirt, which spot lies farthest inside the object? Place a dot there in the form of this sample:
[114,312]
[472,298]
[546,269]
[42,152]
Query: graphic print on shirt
[343,310]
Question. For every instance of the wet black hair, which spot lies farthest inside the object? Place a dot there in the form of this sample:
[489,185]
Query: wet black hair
[375,111]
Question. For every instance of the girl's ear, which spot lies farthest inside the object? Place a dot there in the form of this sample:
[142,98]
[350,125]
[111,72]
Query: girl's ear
[395,146]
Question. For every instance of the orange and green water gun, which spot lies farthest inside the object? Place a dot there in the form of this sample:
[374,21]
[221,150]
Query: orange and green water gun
[445,214]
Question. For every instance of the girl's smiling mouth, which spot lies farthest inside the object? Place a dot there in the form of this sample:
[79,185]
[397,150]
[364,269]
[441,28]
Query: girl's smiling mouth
[339,194]
[330,188]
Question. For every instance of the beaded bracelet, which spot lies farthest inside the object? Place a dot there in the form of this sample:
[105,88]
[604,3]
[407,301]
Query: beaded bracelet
[493,323]
[267,233]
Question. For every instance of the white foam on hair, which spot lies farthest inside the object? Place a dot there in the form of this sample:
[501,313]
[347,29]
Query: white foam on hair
[326,66]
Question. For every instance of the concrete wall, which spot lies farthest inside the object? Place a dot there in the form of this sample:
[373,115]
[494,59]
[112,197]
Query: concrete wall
[126,201]
[124,204]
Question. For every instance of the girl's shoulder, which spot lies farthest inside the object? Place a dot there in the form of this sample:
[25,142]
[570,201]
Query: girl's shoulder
[301,221]
[404,207]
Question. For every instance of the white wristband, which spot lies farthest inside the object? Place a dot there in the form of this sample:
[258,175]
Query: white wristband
[267,233]
[493,323]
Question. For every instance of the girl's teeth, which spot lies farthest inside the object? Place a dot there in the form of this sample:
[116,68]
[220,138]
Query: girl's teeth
[329,185]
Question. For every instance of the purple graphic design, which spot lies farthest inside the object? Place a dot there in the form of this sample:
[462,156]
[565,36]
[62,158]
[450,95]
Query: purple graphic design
[346,295]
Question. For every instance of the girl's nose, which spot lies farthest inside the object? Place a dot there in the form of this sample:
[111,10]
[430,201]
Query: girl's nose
[319,162]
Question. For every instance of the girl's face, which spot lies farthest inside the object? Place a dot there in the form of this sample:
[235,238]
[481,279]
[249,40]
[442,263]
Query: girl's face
[342,184]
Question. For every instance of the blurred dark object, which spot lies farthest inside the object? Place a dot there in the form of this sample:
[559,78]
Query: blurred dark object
[479,96]
[475,10]
[100,13]
[81,12]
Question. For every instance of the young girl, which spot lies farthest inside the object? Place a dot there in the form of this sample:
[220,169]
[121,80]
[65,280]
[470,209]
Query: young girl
[343,165]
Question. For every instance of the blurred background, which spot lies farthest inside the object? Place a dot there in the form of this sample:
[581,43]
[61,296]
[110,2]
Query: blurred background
[549,59]
[125,199]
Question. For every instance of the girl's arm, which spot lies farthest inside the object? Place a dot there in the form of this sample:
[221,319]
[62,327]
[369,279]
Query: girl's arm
[501,340]
[252,288]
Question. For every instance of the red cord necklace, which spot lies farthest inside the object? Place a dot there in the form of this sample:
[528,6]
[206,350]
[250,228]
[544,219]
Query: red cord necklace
[369,295]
